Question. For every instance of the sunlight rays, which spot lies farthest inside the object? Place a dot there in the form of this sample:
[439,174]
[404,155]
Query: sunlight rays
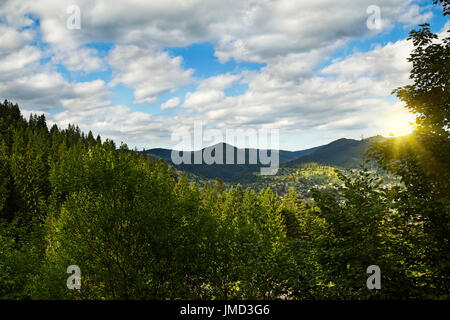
[399,122]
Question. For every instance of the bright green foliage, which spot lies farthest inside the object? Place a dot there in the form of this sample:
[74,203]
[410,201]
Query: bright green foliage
[136,233]
[362,228]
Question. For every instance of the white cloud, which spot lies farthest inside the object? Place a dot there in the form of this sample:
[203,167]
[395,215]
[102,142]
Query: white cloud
[270,29]
[20,59]
[220,82]
[171,103]
[121,124]
[292,39]
[346,96]
[78,59]
[86,95]
[413,16]
[257,30]
[149,72]
[385,66]
[202,98]
[11,39]
[37,86]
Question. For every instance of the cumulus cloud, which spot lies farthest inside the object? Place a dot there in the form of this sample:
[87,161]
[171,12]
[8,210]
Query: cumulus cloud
[202,98]
[11,39]
[39,86]
[386,65]
[210,91]
[220,82]
[257,30]
[274,28]
[292,38]
[345,96]
[171,103]
[413,16]
[121,124]
[86,95]
[78,59]
[20,59]
[149,72]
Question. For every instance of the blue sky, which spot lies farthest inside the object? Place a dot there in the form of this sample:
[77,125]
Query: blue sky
[137,72]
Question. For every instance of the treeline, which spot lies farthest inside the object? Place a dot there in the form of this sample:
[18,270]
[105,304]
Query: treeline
[138,232]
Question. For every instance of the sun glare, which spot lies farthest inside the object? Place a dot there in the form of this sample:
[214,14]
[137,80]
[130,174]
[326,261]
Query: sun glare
[399,123]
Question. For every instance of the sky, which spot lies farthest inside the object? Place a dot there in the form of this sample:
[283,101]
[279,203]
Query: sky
[136,71]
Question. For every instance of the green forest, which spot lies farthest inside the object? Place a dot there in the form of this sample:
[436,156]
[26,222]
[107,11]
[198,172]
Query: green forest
[139,230]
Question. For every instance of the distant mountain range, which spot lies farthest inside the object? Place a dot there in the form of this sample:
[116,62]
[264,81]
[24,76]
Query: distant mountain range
[346,153]
[284,155]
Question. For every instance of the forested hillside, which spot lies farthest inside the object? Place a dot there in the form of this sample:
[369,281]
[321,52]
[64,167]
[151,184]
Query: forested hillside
[346,153]
[138,232]
[232,173]
[342,153]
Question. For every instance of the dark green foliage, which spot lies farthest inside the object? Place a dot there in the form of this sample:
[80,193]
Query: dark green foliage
[27,152]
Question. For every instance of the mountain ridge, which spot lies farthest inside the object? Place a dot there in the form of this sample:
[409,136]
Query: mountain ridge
[342,152]
[347,153]
[285,155]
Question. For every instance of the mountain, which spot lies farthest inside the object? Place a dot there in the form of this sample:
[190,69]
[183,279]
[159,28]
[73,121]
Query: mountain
[227,172]
[285,155]
[347,153]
